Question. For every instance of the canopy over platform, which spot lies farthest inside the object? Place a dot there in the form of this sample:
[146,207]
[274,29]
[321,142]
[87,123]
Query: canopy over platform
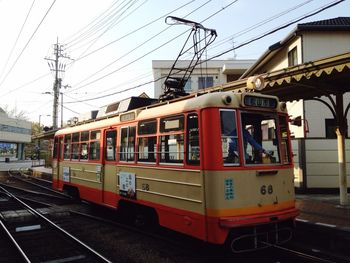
[310,81]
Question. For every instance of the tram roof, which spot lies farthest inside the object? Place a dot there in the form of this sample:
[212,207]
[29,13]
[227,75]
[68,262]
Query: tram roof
[189,103]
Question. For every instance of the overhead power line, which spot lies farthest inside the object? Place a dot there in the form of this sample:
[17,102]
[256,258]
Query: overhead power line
[334,3]
[149,52]
[26,45]
[137,47]
[18,36]
[118,19]
[319,10]
[134,31]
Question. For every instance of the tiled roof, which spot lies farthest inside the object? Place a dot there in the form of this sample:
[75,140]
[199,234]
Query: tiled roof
[341,23]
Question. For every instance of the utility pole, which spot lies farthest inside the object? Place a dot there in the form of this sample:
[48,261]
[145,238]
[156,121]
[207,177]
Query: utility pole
[58,68]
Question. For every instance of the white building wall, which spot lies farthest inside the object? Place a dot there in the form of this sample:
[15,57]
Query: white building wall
[316,114]
[317,45]
[218,69]
[321,160]
[10,136]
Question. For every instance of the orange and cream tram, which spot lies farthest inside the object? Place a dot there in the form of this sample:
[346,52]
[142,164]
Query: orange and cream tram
[171,162]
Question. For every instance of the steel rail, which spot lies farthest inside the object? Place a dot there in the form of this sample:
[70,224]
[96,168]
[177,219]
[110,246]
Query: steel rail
[98,255]
[19,249]
[300,254]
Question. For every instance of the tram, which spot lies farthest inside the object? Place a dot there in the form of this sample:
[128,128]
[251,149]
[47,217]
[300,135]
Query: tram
[188,165]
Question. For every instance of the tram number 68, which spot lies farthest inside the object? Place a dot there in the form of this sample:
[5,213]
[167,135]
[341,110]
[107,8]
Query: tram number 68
[266,189]
[145,187]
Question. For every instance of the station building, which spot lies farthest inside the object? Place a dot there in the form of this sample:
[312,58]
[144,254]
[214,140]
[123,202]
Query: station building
[14,134]
[211,73]
[315,143]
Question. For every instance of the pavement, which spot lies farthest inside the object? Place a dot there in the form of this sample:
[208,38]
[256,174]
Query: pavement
[324,210]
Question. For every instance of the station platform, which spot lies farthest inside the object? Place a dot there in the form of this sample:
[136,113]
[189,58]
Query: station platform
[323,210]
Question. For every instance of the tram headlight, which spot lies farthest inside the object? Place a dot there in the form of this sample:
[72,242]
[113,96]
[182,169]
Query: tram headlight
[283,106]
[226,99]
[256,82]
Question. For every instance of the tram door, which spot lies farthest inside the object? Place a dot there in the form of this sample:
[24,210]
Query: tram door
[109,166]
[58,155]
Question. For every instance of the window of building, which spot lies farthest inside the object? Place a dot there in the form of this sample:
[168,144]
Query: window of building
[188,86]
[293,57]
[193,151]
[8,149]
[205,82]
[147,141]
[94,150]
[127,144]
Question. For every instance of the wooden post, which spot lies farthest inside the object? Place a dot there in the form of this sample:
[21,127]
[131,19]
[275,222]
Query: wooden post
[341,131]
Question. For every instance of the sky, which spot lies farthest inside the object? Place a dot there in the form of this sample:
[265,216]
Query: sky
[108,45]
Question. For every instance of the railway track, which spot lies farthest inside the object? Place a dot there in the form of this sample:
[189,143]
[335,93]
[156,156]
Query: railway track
[35,238]
[99,228]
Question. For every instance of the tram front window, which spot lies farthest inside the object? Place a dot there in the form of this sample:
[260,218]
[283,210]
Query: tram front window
[229,137]
[260,138]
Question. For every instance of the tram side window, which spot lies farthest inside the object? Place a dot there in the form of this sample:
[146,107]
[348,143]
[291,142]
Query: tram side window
[172,144]
[67,146]
[127,144]
[285,151]
[75,146]
[111,138]
[229,138]
[94,150]
[193,152]
[147,141]
[84,145]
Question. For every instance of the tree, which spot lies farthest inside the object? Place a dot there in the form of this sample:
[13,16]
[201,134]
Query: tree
[14,113]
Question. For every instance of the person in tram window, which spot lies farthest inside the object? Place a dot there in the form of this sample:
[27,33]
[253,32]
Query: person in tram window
[247,139]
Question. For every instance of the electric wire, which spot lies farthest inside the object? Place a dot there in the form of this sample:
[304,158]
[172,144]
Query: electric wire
[129,34]
[146,54]
[16,41]
[291,22]
[112,24]
[133,31]
[99,25]
[280,27]
[26,45]
[137,47]
[257,25]
[78,35]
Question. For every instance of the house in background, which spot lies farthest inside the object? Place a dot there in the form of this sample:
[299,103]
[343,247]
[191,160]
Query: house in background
[14,134]
[315,164]
[208,74]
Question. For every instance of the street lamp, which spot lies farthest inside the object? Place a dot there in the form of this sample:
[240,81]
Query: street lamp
[40,119]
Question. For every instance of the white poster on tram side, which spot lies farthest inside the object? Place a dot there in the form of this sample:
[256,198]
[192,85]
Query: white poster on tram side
[66,174]
[127,185]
